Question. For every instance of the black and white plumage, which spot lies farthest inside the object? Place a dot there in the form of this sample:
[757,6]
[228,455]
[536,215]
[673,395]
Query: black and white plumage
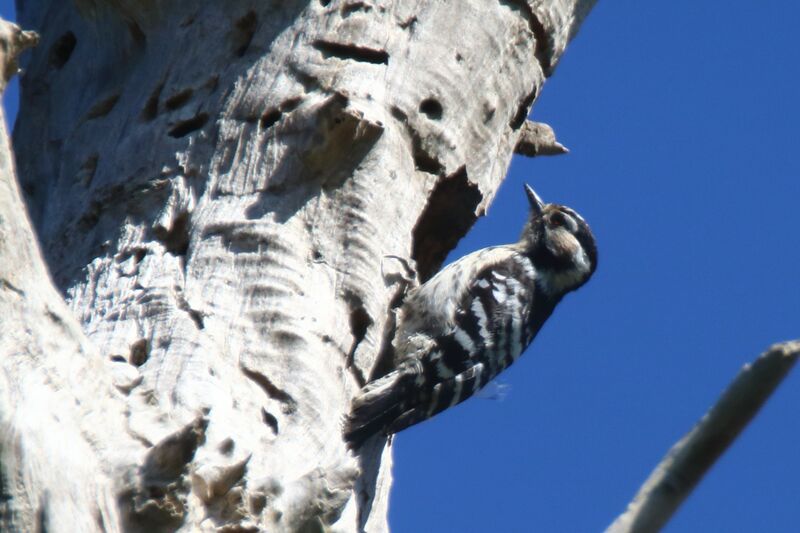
[473,319]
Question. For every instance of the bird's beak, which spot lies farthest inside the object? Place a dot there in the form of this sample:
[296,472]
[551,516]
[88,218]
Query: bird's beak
[533,198]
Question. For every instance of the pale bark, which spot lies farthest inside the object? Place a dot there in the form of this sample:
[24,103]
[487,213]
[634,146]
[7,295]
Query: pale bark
[690,458]
[537,138]
[230,195]
[57,402]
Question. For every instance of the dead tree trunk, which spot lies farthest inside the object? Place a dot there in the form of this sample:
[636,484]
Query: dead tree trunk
[230,195]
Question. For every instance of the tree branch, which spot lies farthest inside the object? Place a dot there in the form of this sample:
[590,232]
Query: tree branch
[538,138]
[14,42]
[50,376]
[690,458]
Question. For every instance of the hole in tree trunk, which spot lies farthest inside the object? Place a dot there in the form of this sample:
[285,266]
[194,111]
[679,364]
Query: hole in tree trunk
[450,212]
[431,108]
[62,49]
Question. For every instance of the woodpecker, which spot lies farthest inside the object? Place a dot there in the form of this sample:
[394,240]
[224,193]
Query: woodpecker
[473,319]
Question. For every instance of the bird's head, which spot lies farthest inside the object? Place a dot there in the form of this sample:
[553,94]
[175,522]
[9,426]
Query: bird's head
[560,244]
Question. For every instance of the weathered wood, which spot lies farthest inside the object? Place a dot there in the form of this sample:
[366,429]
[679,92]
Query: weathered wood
[229,194]
[58,406]
[538,138]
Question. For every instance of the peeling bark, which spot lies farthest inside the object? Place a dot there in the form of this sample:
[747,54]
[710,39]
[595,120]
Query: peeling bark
[223,192]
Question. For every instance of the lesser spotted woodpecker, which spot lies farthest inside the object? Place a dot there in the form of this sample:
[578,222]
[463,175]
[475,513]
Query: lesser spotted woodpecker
[473,319]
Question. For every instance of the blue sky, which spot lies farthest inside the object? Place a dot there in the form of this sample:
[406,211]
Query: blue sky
[682,119]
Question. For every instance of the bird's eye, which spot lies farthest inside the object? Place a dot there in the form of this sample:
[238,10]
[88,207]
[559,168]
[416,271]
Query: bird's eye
[557,219]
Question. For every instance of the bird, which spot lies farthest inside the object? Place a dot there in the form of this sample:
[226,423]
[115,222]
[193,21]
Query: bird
[473,319]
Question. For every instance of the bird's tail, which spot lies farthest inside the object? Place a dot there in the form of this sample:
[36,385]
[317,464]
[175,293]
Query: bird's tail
[378,404]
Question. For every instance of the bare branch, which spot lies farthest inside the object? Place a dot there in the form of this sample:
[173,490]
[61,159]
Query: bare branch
[690,458]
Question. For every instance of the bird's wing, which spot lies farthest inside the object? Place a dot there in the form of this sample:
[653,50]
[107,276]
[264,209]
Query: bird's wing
[444,394]
[490,322]
[490,294]
[491,328]
[431,308]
